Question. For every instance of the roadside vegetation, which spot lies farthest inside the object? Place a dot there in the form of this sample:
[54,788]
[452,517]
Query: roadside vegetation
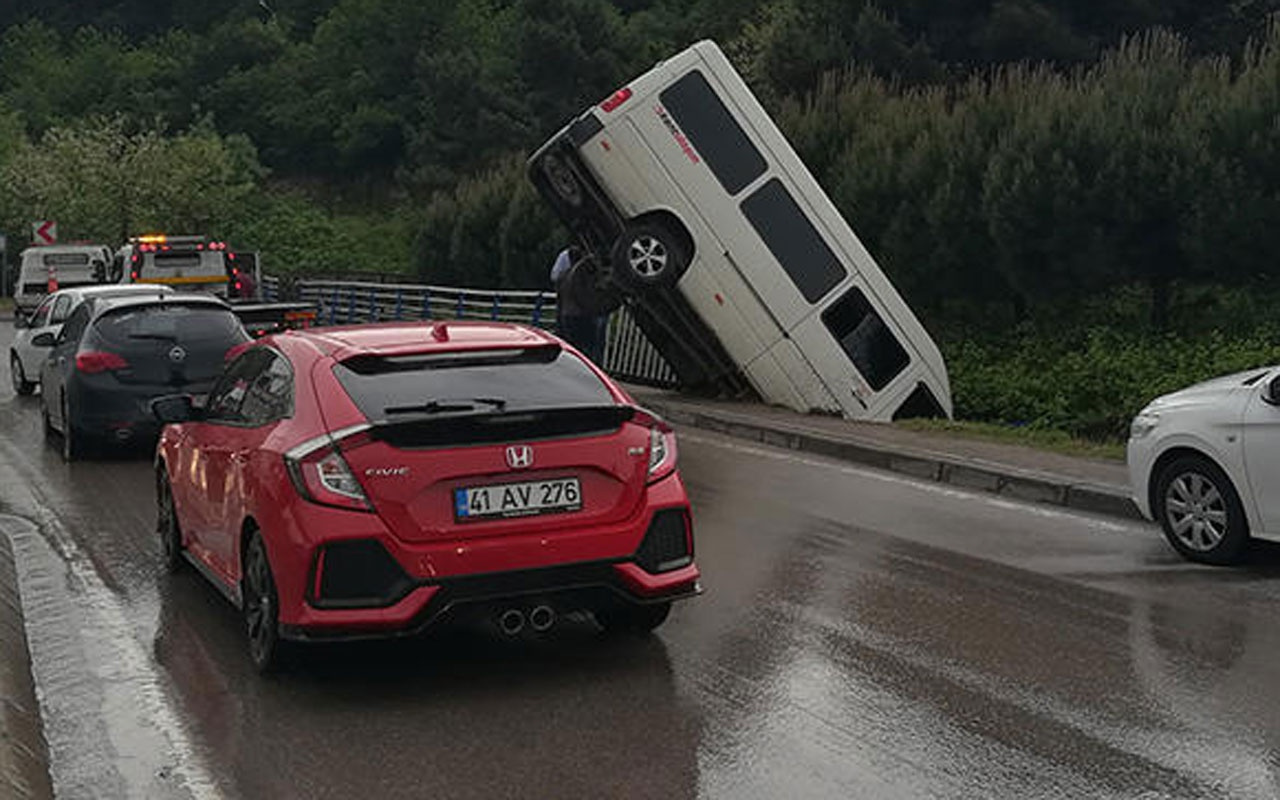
[1055,441]
[1078,198]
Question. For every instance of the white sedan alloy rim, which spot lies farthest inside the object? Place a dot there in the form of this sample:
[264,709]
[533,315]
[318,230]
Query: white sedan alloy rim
[1196,511]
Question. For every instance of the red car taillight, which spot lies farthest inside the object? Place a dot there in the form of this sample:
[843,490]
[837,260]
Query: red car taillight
[320,474]
[662,445]
[91,362]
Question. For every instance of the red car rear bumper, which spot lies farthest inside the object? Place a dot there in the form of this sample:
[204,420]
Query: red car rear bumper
[428,583]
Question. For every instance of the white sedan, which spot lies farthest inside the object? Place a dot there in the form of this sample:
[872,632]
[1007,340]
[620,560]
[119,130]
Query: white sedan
[30,346]
[1204,462]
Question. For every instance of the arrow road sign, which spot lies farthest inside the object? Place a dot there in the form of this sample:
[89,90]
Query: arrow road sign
[44,231]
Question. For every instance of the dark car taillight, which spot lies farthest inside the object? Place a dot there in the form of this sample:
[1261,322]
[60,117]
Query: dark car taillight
[668,544]
[91,362]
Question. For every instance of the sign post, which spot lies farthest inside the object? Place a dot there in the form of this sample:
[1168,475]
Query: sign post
[44,231]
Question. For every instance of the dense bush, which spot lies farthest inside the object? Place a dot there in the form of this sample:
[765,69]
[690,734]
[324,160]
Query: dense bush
[490,230]
[1091,383]
[297,237]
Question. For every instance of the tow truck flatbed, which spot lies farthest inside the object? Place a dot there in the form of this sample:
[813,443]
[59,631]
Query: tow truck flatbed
[260,319]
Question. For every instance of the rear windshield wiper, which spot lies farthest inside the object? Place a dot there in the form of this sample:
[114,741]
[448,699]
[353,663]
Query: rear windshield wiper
[446,406]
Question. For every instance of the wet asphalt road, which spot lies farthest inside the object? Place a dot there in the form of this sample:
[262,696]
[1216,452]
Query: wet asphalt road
[863,635]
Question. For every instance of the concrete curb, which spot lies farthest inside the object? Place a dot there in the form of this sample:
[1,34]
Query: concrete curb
[944,468]
[24,754]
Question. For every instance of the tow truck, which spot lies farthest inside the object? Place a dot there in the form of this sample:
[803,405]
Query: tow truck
[197,264]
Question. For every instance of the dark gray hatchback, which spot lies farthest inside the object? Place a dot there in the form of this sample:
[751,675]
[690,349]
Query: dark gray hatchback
[115,355]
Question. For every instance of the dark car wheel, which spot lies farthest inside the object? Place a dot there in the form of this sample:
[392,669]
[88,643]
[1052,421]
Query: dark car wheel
[261,609]
[167,527]
[21,385]
[1200,512]
[632,619]
[647,256]
[72,446]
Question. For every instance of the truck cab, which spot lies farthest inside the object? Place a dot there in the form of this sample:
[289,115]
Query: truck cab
[186,263]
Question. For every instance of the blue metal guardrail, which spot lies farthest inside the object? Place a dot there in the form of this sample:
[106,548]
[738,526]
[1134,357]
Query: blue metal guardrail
[628,354]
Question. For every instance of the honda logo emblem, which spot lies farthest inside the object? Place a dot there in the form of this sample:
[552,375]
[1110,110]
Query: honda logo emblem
[520,456]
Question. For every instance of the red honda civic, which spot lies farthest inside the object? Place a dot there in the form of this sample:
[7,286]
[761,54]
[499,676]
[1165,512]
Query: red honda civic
[374,481]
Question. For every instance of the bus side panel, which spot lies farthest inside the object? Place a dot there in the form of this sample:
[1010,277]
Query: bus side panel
[723,316]
[685,162]
[800,374]
[692,181]
[786,164]
[773,384]
[837,371]
[754,259]
[611,158]
[711,285]
[898,366]
[896,393]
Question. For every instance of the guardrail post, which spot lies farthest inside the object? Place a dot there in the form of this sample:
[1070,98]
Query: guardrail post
[537,311]
[399,304]
[373,305]
[351,306]
[333,308]
[461,308]
[426,304]
[493,314]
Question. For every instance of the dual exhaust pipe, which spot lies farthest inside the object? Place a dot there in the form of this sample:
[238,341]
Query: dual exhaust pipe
[541,619]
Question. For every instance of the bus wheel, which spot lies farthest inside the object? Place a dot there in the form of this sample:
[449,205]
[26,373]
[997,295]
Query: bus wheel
[562,180]
[647,256]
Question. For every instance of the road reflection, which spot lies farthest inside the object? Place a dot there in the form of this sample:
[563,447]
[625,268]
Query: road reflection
[1210,671]
[462,714]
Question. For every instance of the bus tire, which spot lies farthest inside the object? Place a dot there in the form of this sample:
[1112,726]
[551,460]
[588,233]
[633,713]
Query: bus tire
[647,256]
[565,184]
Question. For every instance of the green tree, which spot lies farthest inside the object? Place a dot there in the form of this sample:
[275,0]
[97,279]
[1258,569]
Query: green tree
[101,181]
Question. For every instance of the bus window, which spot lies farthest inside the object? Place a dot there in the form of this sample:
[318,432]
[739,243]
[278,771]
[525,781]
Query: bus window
[711,128]
[868,342]
[793,240]
[921,404]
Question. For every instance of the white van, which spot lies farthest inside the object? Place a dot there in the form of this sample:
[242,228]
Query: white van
[735,262]
[67,265]
[187,263]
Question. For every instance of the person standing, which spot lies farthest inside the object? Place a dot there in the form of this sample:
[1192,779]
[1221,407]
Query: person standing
[574,323]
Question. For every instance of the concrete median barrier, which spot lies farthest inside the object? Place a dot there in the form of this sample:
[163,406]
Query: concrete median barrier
[24,756]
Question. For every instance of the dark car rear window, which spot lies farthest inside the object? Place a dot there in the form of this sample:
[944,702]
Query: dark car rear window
[510,380]
[180,324]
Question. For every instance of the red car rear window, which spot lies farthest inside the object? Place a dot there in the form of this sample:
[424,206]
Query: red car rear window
[508,380]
